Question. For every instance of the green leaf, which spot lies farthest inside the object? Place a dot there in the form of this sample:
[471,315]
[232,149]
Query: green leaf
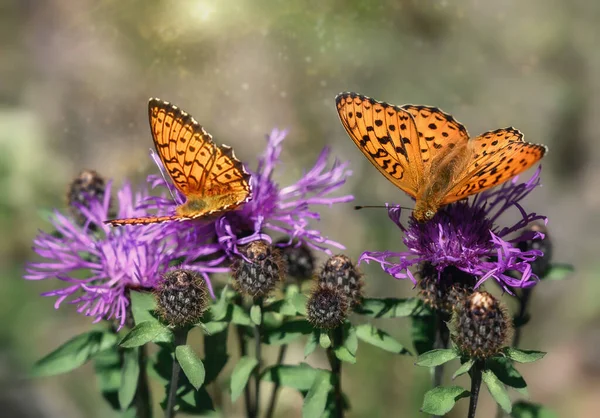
[436,357]
[240,375]
[215,355]
[219,310]
[497,390]
[524,356]
[143,305]
[287,332]
[299,301]
[371,335]
[441,400]
[347,351]
[423,330]
[143,333]
[523,409]
[300,377]
[313,340]
[389,307]
[324,340]
[464,368]
[195,402]
[191,365]
[213,327]
[506,372]
[239,316]
[559,271]
[74,353]
[129,377]
[108,369]
[316,399]
[256,314]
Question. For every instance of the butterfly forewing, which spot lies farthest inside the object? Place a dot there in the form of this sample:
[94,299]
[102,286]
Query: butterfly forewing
[386,135]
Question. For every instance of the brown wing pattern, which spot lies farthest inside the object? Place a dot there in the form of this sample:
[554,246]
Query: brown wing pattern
[439,132]
[196,165]
[496,156]
[386,135]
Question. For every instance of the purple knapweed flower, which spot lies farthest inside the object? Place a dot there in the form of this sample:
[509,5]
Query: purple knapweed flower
[100,264]
[274,209]
[465,235]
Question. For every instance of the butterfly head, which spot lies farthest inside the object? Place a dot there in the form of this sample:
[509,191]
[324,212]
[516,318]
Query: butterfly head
[424,211]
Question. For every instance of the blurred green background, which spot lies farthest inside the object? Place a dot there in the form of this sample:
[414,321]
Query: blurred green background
[75,77]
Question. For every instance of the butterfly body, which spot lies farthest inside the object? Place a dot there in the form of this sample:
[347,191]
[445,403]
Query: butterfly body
[210,177]
[429,155]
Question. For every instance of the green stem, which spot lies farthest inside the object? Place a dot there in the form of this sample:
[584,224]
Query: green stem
[335,363]
[275,391]
[180,335]
[143,400]
[442,337]
[244,352]
[475,373]
[258,354]
[522,314]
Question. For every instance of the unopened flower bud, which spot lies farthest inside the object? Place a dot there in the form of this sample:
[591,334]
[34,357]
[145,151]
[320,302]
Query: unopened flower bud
[327,308]
[259,274]
[88,185]
[339,272]
[181,297]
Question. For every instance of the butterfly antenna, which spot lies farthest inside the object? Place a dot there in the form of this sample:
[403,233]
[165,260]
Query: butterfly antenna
[359,207]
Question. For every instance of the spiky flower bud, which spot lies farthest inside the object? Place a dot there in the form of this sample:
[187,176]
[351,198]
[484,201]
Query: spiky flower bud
[87,185]
[327,307]
[258,275]
[339,272]
[299,260]
[541,265]
[481,326]
[443,292]
[181,297]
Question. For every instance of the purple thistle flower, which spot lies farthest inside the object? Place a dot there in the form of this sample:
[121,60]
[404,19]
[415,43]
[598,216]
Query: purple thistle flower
[116,259]
[273,209]
[464,235]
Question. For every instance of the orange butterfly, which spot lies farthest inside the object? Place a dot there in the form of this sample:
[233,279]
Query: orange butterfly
[209,175]
[428,154]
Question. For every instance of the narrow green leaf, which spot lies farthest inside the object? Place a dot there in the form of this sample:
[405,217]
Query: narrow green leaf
[504,370]
[256,314]
[316,399]
[219,310]
[129,377]
[311,344]
[324,340]
[240,375]
[497,390]
[423,330]
[300,377]
[213,327]
[143,333]
[239,316]
[287,332]
[464,368]
[559,271]
[371,335]
[143,305]
[191,365]
[440,400]
[347,351]
[195,402]
[389,307]
[436,357]
[74,353]
[523,409]
[299,301]
[524,356]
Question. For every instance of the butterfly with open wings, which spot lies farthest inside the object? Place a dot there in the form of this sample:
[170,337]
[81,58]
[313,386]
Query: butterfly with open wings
[210,177]
[429,155]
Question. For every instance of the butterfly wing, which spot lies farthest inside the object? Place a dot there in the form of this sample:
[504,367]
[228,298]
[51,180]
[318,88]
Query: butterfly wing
[386,135]
[439,134]
[495,156]
[198,167]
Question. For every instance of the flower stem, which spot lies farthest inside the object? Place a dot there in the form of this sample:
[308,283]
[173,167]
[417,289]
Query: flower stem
[143,400]
[275,391]
[180,335]
[335,363]
[244,352]
[258,353]
[520,317]
[475,373]
[442,335]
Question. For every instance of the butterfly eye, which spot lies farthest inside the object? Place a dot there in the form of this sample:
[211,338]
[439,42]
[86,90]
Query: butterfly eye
[429,214]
